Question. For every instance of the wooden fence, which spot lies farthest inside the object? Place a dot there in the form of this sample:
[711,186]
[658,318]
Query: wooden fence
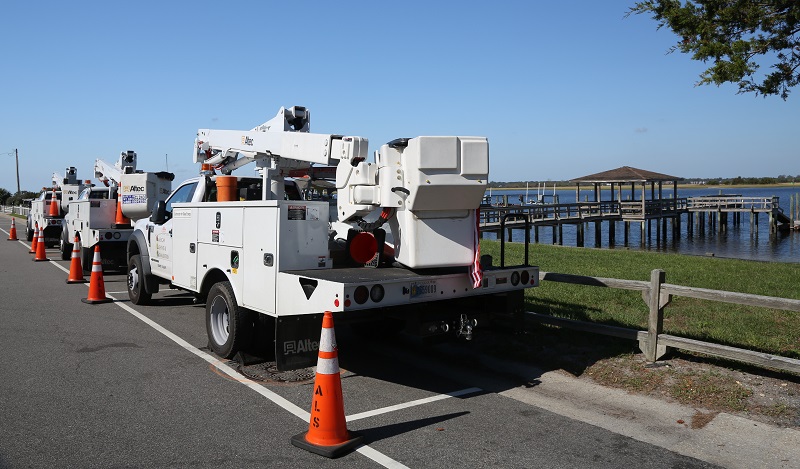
[15,210]
[657,295]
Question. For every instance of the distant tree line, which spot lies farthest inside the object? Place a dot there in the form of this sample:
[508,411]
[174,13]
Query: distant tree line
[8,198]
[737,181]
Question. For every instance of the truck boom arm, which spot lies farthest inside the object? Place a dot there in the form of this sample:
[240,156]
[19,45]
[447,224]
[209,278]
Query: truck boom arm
[277,146]
[111,175]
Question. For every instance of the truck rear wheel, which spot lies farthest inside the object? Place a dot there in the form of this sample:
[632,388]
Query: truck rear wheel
[87,257]
[228,326]
[136,280]
[65,247]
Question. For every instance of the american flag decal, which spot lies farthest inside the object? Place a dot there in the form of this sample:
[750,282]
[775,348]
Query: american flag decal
[475,271]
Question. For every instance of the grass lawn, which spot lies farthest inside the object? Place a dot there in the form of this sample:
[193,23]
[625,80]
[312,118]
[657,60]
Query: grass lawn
[762,329]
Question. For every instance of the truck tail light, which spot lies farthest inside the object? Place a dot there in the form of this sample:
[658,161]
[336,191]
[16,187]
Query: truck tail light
[363,247]
[526,277]
[361,295]
[376,293]
[515,278]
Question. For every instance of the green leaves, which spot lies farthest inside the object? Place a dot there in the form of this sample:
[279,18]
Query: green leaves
[737,37]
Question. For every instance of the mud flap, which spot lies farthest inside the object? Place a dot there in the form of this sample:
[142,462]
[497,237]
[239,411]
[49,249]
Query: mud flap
[297,341]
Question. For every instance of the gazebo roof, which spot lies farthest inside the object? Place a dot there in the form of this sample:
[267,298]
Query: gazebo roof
[626,174]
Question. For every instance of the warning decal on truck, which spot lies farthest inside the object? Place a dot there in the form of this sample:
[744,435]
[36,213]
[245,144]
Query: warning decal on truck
[296,212]
[134,199]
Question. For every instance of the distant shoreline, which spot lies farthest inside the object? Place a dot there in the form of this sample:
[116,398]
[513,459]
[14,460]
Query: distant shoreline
[665,187]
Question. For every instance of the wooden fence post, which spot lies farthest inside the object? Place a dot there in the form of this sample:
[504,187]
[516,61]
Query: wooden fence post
[656,302]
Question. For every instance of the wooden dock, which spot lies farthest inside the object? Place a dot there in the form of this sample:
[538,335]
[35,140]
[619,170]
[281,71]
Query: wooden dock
[700,212]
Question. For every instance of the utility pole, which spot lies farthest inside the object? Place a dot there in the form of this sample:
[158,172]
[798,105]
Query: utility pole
[16,156]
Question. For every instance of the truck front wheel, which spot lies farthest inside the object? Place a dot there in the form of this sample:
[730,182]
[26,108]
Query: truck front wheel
[229,327]
[136,280]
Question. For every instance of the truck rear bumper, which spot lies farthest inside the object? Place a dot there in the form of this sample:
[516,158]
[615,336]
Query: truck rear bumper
[352,289]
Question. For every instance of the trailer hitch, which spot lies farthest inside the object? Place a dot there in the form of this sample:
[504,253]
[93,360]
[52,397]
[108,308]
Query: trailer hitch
[465,327]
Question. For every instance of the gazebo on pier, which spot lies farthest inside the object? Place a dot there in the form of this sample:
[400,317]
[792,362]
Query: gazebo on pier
[631,209]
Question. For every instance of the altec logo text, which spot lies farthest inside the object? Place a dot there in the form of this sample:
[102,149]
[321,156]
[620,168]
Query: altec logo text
[300,346]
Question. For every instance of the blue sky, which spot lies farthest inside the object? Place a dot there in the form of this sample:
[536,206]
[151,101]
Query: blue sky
[561,89]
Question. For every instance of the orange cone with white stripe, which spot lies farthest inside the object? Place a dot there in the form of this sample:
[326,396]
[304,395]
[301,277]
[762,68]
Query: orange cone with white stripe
[35,239]
[97,289]
[12,234]
[41,255]
[327,433]
[54,208]
[75,266]
[121,219]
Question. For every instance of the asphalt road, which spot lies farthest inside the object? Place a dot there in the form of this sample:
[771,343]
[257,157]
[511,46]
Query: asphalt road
[118,385]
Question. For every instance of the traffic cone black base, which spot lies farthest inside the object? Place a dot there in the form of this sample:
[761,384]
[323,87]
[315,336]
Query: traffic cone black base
[96,302]
[333,451]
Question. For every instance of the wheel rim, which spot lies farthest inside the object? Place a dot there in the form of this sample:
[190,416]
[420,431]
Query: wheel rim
[219,321]
[133,279]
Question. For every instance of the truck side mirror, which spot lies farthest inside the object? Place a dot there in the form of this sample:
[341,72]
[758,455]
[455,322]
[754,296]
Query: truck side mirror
[159,213]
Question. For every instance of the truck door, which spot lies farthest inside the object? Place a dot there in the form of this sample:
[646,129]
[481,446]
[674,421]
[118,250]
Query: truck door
[160,236]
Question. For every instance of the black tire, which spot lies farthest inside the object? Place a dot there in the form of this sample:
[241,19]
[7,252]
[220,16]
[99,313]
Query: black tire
[136,281]
[87,256]
[65,248]
[28,231]
[228,326]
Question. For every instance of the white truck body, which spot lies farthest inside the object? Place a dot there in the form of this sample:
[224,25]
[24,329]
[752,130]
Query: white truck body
[50,227]
[93,217]
[279,259]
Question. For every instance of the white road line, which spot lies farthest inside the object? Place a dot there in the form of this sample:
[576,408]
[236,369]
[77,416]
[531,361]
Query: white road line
[438,397]
[380,458]
[277,399]
[290,407]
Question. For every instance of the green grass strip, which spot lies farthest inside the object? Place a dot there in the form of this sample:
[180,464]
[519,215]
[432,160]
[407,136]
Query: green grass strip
[767,330]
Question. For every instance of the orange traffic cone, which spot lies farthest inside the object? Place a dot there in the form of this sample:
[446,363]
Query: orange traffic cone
[41,255]
[97,289]
[121,219]
[12,234]
[54,209]
[327,433]
[75,267]
[35,238]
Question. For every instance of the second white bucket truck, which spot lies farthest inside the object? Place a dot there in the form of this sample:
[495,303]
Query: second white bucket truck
[102,215]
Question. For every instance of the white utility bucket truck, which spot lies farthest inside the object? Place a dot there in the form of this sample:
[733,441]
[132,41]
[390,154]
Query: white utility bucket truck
[66,189]
[102,215]
[264,262]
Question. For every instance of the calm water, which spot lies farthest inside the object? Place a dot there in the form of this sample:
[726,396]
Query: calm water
[736,242]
